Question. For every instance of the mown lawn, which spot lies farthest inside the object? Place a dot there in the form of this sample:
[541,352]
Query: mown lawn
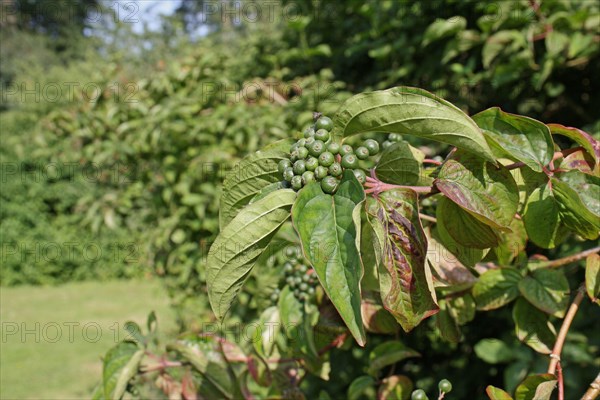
[52,338]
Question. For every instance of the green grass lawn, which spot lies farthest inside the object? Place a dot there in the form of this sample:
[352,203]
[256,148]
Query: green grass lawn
[52,338]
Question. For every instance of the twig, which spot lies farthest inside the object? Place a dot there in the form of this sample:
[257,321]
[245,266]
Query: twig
[428,218]
[572,258]
[431,161]
[561,382]
[593,391]
[564,329]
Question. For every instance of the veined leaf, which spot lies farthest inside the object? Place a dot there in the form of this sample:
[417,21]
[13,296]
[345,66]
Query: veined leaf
[404,277]
[269,325]
[495,393]
[246,180]
[541,218]
[120,365]
[468,256]
[578,206]
[536,387]
[410,111]
[532,327]
[584,139]
[463,227]
[400,164]
[548,290]
[592,277]
[329,228]
[516,137]
[234,252]
[496,288]
[488,193]
[388,353]
[361,386]
[494,351]
[446,325]
[397,387]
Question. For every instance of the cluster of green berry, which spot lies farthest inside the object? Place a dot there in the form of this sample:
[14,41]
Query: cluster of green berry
[444,385]
[317,158]
[300,277]
[391,139]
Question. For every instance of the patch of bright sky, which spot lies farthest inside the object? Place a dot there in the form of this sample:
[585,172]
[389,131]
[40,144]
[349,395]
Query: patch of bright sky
[149,12]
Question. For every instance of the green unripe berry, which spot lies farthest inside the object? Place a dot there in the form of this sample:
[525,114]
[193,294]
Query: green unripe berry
[311,164]
[308,177]
[362,153]
[291,253]
[299,167]
[350,161]
[288,174]
[294,155]
[303,268]
[335,169]
[288,267]
[329,184]
[301,142]
[322,135]
[290,280]
[306,278]
[445,386]
[324,123]
[360,175]
[309,132]
[297,280]
[283,164]
[333,148]
[302,153]
[297,293]
[303,286]
[419,394]
[316,148]
[274,297]
[386,144]
[372,146]
[394,137]
[321,172]
[346,149]
[309,141]
[297,182]
[326,159]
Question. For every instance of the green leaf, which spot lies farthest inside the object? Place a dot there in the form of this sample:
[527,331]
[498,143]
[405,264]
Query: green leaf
[592,277]
[232,255]
[495,393]
[388,353]
[395,387]
[268,325]
[376,318]
[498,42]
[462,308]
[446,324]
[548,290]
[120,365]
[204,355]
[556,42]
[291,312]
[532,327]
[536,387]
[464,228]
[496,288]
[577,206]
[584,139]
[361,387]
[494,351]
[442,28]
[400,164]
[511,243]
[517,137]
[488,193]
[268,189]
[370,253]
[329,228]
[444,250]
[410,111]
[404,278]
[246,180]
[541,218]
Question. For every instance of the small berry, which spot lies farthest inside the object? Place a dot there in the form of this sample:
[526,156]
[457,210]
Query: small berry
[312,163]
[335,169]
[299,167]
[288,267]
[283,164]
[302,153]
[274,297]
[329,184]
[326,159]
[301,142]
[297,182]
[360,175]
[386,144]
[303,268]
[316,148]
[324,123]
[394,137]
[362,153]
[333,148]
[294,155]
[349,161]
[291,253]
[445,386]
[372,146]
[311,290]
[419,394]
[309,141]
[309,132]
[322,135]
[288,174]
[303,286]
[306,278]
[346,149]
[308,177]
[320,172]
